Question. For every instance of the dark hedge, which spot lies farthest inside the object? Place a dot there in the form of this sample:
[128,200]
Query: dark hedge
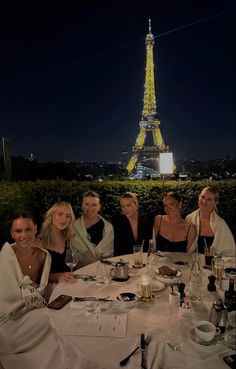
[39,196]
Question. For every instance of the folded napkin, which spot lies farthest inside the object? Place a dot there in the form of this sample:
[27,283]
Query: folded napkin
[160,356]
[155,355]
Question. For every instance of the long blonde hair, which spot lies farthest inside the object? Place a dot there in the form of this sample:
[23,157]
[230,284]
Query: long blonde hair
[46,230]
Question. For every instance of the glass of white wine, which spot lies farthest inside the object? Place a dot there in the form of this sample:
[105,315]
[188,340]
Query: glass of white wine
[71,259]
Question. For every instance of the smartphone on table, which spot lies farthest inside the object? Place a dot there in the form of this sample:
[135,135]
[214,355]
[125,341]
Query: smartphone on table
[230,360]
[59,302]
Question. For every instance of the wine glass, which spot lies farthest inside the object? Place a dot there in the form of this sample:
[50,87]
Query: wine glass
[71,259]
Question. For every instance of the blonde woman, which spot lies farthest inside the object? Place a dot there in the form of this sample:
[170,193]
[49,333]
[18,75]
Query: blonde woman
[211,228]
[95,236]
[56,233]
[130,227]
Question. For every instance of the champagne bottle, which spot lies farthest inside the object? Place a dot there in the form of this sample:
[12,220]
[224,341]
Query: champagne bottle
[230,296]
[195,287]
[151,258]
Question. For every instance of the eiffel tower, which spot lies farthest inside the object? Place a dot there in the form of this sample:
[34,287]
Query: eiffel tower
[149,123]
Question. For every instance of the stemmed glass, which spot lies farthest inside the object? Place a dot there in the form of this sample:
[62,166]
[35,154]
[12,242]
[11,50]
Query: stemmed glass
[71,259]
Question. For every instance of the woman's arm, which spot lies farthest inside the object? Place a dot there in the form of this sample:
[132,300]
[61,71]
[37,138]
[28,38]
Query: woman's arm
[192,236]
[157,222]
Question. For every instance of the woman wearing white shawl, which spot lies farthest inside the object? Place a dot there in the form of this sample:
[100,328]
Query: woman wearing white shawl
[28,336]
[211,228]
[95,235]
[26,264]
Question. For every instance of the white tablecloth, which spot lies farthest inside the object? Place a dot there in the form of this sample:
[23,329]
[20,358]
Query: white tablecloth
[144,317]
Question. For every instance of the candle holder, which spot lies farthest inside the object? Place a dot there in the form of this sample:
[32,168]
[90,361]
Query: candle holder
[145,288]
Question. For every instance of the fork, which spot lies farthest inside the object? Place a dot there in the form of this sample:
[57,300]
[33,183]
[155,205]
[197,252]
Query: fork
[147,341]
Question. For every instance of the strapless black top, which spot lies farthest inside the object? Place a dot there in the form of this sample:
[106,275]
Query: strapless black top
[58,264]
[163,244]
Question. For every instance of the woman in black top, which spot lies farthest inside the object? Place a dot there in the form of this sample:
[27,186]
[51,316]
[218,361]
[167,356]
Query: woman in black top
[173,233]
[57,231]
[130,228]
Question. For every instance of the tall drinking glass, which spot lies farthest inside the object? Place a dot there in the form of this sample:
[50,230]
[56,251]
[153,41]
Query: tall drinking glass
[209,254]
[138,256]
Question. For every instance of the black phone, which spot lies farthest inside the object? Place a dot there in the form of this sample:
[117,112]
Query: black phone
[59,302]
[230,360]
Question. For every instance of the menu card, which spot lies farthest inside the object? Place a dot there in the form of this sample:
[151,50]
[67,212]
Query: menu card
[99,325]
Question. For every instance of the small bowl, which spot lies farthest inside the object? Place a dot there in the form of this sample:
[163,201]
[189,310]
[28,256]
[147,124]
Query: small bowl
[128,299]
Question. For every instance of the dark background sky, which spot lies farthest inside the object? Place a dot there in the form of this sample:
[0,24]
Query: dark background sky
[72,77]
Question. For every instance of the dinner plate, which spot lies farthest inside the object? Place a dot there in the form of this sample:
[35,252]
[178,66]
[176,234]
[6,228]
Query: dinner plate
[168,280]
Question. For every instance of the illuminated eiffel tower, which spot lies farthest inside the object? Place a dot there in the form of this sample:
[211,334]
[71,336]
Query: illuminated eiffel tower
[149,124]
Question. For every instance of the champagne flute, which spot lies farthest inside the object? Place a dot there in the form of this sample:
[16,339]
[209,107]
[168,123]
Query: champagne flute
[71,259]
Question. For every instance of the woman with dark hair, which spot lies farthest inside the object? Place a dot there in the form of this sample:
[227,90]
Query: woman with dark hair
[211,228]
[130,228]
[95,236]
[172,232]
[28,336]
[27,264]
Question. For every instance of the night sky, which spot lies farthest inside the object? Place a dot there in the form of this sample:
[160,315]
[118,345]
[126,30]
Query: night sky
[72,77]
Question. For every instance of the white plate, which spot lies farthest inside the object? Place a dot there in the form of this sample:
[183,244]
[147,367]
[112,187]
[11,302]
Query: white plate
[196,339]
[168,279]
[181,264]
[157,285]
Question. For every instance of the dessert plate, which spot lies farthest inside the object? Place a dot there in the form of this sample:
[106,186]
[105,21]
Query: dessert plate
[157,285]
[168,280]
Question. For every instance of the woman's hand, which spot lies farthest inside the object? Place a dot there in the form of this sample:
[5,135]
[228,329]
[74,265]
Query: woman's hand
[61,277]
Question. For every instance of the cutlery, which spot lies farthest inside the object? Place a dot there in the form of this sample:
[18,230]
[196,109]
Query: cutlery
[147,341]
[105,261]
[144,352]
[91,298]
[85,277]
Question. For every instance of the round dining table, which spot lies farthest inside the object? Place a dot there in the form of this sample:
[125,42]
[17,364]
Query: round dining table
[110,332]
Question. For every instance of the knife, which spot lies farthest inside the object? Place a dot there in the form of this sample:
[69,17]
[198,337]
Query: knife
[85,277]
[144,352]
[105,261]
[90,298]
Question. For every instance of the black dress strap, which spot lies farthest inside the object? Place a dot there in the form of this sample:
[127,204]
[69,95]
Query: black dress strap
[159,226]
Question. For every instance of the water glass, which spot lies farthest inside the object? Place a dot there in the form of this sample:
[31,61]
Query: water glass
[91,306]
[174,303]
[217,267]
[138,256]
[174,334]
[103,273]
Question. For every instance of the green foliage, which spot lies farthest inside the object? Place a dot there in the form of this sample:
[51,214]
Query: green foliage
[40,195]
